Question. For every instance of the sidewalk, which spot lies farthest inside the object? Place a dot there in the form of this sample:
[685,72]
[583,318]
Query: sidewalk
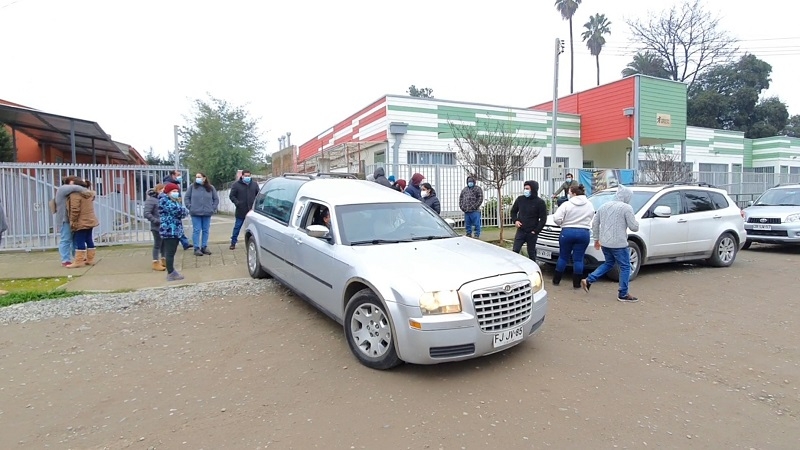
[128,267]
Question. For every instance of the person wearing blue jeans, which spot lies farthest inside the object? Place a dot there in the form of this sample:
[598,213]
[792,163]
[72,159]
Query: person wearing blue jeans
[575,219]
[610,228]
[243,195]
[201,200]
[66,249]
[470,201]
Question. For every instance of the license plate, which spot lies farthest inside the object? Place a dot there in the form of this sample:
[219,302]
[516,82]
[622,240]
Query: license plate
[507,337]
[544,254]
[762,227]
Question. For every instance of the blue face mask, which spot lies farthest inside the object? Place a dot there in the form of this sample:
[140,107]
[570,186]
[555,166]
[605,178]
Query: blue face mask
[175,194]
[526,193]
[178,178]
[246,179]
[470,184]
[198,180]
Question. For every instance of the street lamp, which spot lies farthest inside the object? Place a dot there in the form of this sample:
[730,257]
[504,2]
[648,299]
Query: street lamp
[559,49]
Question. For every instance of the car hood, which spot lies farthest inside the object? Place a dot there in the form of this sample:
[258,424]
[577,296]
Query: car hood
[771,211]
[446,264]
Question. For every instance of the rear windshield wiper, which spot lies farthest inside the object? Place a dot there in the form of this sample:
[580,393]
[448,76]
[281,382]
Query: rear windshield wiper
[378,241]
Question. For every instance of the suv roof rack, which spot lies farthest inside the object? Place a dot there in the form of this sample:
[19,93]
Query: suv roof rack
[314,175]
[689,183]
[786,184]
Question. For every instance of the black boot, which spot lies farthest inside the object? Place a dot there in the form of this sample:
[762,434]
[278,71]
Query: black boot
[576,280]
[557,278]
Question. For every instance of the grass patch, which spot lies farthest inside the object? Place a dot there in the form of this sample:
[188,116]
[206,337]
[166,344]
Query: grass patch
[33,289]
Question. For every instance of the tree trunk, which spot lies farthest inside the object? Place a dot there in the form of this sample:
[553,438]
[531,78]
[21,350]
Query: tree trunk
[571,58]
[597,61]
[500,213]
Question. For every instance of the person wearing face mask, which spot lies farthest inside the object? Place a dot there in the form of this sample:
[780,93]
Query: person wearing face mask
[429,197]
[243,195]
[152,216]
[171,214]
[175,177]
[202,201]
[529,213]
[470,202]
[568,183]
[575,219]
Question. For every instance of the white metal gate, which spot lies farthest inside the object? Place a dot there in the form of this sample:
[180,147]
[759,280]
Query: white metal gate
[26,189]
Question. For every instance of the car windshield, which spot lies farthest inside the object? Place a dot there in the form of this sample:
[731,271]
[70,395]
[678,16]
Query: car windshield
[389,223]
[779,197]
[639,199]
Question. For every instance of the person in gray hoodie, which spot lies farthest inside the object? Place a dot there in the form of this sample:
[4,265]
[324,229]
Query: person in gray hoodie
[65,246]
[575,219]
[380,177]
[610,229]
[201,200]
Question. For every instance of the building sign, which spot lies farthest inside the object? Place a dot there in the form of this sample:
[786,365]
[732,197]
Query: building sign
[663,120]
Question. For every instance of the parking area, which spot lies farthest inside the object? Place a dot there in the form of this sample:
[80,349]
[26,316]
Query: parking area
[709,358]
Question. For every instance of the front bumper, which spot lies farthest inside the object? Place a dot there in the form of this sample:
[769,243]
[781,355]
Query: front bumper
[454,337]
[785,233]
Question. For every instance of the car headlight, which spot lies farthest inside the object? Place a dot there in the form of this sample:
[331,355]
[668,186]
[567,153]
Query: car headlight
[440,302]
[793,218]
[536,282]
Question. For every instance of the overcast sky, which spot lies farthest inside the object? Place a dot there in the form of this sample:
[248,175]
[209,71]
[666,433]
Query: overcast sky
[301,66]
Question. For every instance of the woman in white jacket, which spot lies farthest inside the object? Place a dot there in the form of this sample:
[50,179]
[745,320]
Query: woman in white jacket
[575,219]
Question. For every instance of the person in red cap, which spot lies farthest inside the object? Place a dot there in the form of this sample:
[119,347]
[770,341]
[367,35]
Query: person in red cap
[413,188]
[400,185]
[171,212]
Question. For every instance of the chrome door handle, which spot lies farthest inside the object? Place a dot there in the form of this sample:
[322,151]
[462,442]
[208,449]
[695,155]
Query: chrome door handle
[682,221]
[718,217]
[298,240]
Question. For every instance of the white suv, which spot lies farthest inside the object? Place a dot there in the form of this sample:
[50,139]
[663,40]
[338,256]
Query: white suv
[677,222]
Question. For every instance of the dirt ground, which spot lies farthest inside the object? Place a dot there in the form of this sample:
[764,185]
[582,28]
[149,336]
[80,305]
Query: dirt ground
[708,359]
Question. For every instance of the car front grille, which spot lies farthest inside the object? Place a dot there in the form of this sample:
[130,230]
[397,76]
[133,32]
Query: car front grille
[502,307]
[770,220]
[550,233]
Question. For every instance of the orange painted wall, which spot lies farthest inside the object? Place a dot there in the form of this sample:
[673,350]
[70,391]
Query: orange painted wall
[600,109]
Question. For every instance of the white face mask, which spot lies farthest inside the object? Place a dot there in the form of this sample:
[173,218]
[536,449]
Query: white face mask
[424,194]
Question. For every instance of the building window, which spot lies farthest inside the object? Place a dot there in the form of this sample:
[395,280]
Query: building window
[433,158]
[559,159]
[794,170]
[380,157]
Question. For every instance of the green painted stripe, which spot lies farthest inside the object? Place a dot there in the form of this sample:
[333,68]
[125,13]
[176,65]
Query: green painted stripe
[726,151]
[412,109]
[566,125]
[773,155]
[728,139]
[457,110]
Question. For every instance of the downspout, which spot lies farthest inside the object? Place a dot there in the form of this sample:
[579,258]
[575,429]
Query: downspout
[634,160]
[397,129]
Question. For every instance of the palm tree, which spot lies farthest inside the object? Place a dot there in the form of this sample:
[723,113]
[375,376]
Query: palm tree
[647,63]
[567,9]
[594,36]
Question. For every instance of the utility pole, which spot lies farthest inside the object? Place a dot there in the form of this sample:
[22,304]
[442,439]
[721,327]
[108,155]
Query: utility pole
[559,49]
[177,152]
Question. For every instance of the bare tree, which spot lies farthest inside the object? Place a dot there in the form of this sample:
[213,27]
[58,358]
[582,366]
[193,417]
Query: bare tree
[689,39]
[661,165]
[494,154]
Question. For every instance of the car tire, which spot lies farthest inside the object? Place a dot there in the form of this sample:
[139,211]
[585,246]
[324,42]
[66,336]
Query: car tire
[369,331]
[747,244]
[725,249]
[636,263]
[253,261]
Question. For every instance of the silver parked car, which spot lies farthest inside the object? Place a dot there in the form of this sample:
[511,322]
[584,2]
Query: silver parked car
[677,222]
[405,286]
[775,217]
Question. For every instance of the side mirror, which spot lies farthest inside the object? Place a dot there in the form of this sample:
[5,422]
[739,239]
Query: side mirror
[450,222]
[318,231]
[662,211]
[750,203]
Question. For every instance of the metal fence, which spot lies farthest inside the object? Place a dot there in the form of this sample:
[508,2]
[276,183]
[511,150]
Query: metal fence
[449,180]
[26,189]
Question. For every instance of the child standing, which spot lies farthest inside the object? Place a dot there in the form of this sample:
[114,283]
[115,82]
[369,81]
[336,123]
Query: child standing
[171,213]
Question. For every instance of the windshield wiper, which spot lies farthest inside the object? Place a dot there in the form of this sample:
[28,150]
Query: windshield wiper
[762,204]
[788,204]
[429,238]
[378,241]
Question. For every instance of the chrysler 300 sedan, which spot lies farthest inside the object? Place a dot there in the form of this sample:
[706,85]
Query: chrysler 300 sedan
[404,285]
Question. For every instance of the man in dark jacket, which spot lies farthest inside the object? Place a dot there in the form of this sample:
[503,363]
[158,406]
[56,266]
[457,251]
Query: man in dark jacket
[529,213]
[470,201]
[380,177]
[243,195]
[175,177]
